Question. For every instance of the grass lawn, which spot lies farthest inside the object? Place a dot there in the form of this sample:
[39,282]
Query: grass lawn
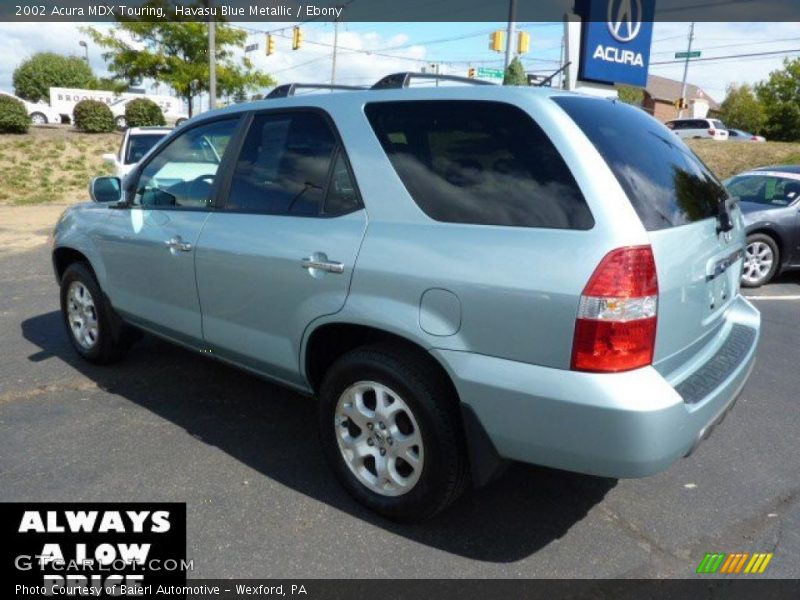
[55,164]
[730,158]
[52,164]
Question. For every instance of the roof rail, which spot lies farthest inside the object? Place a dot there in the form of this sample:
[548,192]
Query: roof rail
[288,89]
[401,80]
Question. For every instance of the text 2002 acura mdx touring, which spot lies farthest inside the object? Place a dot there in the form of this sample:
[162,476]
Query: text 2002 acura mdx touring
[461,275]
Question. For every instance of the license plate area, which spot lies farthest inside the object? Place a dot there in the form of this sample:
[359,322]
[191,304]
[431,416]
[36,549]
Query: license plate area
[722,280]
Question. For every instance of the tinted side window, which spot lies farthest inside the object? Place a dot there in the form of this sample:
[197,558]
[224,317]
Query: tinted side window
[485,163]
[183,172]
[764,189]
[664,180]
[284,165]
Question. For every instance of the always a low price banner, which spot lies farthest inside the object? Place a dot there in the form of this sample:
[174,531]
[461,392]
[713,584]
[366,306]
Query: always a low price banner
[81,549]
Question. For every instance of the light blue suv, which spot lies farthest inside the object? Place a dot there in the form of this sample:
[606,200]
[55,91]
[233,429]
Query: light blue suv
[462,275]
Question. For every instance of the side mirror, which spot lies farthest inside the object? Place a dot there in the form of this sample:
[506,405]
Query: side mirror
[110,158]
[105,189]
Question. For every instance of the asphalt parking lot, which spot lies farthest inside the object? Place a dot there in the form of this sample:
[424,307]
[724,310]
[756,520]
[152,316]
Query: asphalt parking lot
[168,425]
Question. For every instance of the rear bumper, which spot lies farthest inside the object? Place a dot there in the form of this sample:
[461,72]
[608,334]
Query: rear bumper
[629,424]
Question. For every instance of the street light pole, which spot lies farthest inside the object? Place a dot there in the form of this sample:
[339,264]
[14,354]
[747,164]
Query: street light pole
[686,69]
[86,49]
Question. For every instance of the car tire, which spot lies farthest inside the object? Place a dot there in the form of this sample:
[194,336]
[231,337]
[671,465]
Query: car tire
[761,260]
[95,331]
[38,118]
[121,123]
[420,419]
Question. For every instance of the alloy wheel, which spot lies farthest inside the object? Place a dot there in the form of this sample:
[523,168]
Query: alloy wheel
[82,315]
[379,438]
[758,262]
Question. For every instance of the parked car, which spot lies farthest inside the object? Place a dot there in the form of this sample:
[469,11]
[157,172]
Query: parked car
[737,135]
[713,129]
[461,275]
[769,198]
[39,112]
[118,110]
[136,142]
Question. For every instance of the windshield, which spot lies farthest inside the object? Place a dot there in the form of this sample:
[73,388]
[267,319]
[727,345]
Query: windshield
[139,145]
[772,190]
[667,184]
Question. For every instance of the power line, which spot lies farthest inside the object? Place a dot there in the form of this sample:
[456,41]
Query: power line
[757,43]
[730,56]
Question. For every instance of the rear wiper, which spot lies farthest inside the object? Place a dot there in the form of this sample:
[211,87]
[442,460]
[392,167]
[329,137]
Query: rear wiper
[724,216]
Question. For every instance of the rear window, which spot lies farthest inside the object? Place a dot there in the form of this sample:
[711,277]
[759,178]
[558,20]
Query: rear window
[666,182]
[717,124]
[139,145]
[483,163]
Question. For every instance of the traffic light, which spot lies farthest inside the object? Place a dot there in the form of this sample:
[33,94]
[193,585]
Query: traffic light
[297,38]
[270,45]
[523,42]
[471,72]
[681,103]
[497,41]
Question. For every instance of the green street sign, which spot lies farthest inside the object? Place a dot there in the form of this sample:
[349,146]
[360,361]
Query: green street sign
[484,72]
[694,54]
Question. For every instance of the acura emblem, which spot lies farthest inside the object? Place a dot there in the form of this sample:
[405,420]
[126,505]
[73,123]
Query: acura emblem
[624,19]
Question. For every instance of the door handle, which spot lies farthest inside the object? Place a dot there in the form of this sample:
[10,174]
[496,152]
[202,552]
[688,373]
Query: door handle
[320,262]
[177,243]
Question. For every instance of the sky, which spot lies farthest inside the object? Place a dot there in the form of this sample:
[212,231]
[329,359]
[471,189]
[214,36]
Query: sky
[367,51]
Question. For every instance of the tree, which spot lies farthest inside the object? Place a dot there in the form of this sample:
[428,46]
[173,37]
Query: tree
[515,73]
[176,53]
[742,110]
[631,95]
[780,96]
[34,77]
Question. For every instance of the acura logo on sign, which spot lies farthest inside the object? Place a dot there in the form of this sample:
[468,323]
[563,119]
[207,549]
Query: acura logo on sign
[624,19]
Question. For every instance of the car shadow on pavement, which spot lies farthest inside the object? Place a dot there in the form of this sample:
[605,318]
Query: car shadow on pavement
[273,431]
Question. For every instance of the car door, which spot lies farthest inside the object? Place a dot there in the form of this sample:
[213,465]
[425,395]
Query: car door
[148,246]
[282,250]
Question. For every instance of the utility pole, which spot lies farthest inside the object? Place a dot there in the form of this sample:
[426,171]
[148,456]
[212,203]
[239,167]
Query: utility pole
[686,68]
[561,64]
[512,11]
[335,47]
[212,61]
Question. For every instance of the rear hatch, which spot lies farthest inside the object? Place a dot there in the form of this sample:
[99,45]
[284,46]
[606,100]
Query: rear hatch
[696,232]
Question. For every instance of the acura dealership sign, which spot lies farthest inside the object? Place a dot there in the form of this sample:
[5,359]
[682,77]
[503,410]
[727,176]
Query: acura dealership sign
[615,46]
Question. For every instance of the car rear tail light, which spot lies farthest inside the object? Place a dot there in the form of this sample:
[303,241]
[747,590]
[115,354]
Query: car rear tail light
[616,325]
[712,132]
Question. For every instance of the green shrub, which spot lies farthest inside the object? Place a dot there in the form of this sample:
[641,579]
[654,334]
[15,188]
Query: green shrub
[143,112]
[13,116]
[93,116]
